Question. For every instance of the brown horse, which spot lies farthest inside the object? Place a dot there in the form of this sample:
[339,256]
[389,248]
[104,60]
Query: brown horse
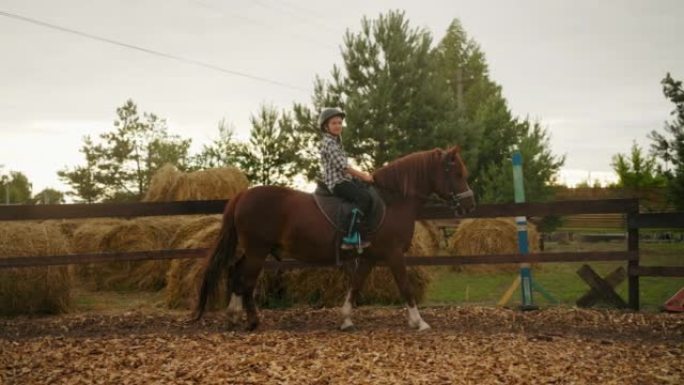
[287,224]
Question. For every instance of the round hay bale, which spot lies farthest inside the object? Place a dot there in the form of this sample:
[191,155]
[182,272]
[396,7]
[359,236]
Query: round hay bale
[426,240]
[217,183]
[185,275]
[490,236]
[159,189]
[142,234]
[36,289]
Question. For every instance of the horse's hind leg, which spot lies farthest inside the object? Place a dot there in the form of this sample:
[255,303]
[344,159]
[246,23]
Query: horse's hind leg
[398,268]
[359,275]
[234,284]
[250,270]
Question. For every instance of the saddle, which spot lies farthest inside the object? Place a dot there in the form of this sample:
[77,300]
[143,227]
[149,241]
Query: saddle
[337,211]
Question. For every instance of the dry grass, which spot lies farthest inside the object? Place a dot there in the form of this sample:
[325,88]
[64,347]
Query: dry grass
[489,236]
[36,289]
[112,235]
[184,275]
[426,240]
[169,184]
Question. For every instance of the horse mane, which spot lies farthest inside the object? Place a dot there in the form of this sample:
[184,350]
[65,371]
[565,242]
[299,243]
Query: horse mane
[407,174]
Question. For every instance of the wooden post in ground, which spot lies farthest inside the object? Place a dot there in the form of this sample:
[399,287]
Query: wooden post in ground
[633,265]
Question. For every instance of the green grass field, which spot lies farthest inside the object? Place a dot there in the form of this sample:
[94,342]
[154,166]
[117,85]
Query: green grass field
[561,279]
[477,288]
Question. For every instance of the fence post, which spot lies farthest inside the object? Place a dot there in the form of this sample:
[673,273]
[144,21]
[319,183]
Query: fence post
[633,265]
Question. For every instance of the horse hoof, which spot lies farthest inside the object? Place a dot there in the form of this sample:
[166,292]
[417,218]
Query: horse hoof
[423,327]
[347,326]
[252,326]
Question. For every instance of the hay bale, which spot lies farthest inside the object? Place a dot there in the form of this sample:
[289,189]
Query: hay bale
[490,236]
[169,184]
[37,289]
[112,235]
[185,275]
[426,240]
[161,183]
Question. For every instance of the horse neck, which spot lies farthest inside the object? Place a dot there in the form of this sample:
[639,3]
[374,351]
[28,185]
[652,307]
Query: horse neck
[405,182]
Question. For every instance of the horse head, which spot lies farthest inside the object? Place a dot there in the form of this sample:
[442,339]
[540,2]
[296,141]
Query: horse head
[450,181]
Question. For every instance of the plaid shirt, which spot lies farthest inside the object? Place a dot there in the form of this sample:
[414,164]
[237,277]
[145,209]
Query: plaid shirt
[333,161]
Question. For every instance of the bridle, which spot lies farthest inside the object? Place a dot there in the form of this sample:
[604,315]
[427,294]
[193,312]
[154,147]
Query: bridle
[455,198]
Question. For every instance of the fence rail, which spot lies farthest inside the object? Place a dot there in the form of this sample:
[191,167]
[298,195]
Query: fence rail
[142,209]
[75,259]
[627,207]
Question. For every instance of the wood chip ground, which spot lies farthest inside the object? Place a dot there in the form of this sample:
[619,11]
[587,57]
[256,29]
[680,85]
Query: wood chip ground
[467,345]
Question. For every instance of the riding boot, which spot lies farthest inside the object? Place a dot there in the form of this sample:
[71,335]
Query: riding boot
[353,238]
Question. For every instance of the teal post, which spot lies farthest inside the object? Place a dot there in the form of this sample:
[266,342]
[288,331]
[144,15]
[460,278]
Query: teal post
[521,224]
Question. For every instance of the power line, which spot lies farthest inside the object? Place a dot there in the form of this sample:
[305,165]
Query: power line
[150,51]
[235,15]
[293,12]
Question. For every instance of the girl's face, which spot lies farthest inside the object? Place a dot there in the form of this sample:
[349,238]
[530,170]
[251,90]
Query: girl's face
[335,125]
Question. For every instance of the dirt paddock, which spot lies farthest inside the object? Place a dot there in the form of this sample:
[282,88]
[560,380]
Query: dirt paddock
[467,345]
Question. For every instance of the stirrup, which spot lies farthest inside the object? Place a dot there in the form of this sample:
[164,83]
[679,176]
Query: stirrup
[354,242]
[352,239]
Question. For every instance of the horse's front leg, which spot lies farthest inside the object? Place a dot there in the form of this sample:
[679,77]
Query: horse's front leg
[398,268]
[358,278]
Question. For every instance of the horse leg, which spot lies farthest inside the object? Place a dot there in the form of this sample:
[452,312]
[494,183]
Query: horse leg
[234,284]
[358,278]
[254,263]
[398,268]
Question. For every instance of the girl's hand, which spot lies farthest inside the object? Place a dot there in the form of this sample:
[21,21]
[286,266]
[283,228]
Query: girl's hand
[368,177]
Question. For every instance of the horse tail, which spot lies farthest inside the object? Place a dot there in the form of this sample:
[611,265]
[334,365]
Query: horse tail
[221,257]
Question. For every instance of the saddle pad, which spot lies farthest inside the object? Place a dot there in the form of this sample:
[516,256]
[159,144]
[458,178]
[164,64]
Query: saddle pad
[338,211]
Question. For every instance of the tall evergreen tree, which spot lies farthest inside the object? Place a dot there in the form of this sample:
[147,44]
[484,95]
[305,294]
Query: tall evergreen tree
[669,147]
[221,152]
[121,165]
[269,158]
[636,170]
[394,101]
[540,168]
[402,96]
[479,114]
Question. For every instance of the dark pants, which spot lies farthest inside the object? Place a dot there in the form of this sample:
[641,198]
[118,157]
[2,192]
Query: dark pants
[356,193]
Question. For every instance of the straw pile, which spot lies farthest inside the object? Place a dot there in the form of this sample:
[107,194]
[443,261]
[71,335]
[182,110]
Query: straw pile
[169,184]
[490,236]
[426,240]
[117,235]
[36,289]
[185,275]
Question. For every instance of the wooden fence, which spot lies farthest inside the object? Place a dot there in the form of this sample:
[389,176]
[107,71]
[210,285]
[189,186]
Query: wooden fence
[627,207]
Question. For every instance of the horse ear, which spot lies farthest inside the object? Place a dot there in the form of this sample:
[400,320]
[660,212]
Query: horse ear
[456,149]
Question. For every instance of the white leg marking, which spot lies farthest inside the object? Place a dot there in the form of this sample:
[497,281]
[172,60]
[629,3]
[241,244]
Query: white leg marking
[346,312]
[415,320]
[235,308]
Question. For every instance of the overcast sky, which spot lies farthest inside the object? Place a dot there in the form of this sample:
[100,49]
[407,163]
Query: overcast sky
[590,71]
